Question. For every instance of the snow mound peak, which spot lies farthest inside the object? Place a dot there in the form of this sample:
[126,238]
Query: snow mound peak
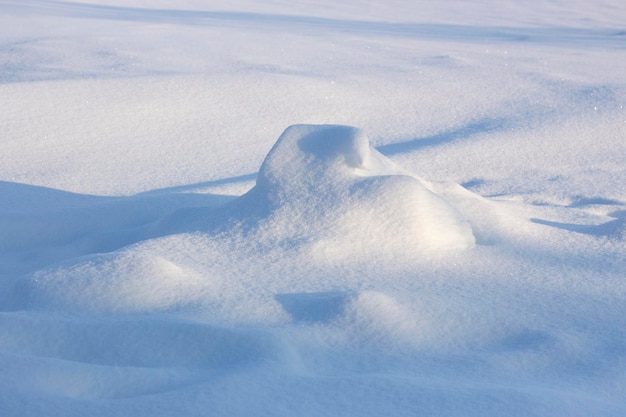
[326,184]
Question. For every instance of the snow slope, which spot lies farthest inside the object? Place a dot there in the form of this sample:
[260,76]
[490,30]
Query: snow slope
[312,209]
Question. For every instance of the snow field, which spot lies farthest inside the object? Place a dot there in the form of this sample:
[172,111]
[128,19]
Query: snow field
[191,225]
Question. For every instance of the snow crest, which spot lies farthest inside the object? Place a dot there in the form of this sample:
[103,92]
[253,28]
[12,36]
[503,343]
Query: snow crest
[328,182]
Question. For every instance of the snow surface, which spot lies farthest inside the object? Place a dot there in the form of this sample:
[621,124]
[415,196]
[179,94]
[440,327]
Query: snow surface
[312,208]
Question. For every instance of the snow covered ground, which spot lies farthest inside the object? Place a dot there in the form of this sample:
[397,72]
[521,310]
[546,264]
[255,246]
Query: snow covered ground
[308,208]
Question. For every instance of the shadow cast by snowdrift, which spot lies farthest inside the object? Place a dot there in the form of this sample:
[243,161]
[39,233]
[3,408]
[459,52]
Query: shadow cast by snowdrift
[466,132]
[40,226]
[200,185]
[318,307]
[611,229]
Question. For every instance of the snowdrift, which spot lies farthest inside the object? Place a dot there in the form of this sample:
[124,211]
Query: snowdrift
[327,185]
[338,272]
[322,192]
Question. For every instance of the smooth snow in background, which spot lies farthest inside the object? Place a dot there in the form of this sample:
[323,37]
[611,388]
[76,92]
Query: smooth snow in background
[141,272]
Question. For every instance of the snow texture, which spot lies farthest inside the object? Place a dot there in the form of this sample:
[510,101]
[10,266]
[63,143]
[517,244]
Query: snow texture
[440,228]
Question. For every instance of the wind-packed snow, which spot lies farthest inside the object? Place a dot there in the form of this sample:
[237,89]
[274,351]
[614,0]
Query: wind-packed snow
[343,209]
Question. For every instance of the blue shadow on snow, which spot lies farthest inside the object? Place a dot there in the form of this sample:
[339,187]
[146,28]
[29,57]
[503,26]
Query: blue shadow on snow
[579,37]
[462,133]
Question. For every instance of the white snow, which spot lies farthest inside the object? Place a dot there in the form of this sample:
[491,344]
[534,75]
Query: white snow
[312,208]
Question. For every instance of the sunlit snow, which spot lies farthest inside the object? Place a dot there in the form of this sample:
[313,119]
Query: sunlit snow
[312,208]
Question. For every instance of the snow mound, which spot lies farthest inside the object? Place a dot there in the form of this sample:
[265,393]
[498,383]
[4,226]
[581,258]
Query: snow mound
[125,281]
[323,197]
[326,184]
